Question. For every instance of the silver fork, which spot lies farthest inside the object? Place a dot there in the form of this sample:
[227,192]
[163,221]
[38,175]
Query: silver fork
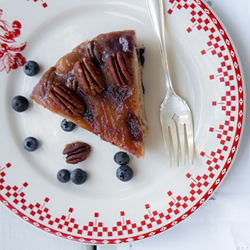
[173,107]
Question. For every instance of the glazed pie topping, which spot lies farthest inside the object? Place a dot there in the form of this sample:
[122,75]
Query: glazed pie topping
[98,87]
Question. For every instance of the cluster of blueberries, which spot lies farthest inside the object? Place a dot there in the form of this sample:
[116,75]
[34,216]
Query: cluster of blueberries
[124,172]
[21,103]
[78,176]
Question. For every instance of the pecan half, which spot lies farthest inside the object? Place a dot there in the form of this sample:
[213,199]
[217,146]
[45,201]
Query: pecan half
[65,100]
[76,152]
[89,77]
[120,69]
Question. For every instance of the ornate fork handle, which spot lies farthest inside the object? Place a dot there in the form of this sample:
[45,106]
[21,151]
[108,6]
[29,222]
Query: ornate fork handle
[158,18]
[172,104]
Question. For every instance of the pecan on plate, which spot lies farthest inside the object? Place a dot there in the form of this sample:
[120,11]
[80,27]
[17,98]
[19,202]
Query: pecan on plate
[66,100]
[120,69]
[89,77]
[76,152]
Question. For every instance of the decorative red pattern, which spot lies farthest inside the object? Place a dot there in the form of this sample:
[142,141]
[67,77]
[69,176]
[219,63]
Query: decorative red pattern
[45,5]
[95,230]
[40,212]
[10,58]
[200,20]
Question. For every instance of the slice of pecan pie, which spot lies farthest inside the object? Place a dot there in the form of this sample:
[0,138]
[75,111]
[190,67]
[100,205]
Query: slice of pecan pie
[98,86]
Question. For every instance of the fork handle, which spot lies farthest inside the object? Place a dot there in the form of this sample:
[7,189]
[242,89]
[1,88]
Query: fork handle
[157,14]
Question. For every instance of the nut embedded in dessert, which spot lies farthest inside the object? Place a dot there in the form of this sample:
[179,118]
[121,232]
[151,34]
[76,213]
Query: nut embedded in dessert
[120,69]
[89,77]
[65,100]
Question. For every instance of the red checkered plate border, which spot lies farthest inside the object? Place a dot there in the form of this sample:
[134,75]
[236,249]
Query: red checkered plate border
[207,73]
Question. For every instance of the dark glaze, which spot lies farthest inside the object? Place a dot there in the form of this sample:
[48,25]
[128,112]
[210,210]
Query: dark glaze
[112,114]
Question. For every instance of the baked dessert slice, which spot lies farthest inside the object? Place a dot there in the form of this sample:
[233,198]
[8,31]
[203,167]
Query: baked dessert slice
[98,86]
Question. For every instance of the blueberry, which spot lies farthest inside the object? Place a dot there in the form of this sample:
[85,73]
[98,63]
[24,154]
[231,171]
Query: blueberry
[20,103]
[31,68]
[78,176]
[124,173]
[67,125]
[121,158]
[63,175]
[30,144]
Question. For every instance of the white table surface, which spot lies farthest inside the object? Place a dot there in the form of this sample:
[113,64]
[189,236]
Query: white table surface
[222,223]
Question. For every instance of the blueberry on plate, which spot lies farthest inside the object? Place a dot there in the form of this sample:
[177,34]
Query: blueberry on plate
[121,158]
[31,68]
[78,176]
[124,173]
[63,175]
[30,144]
[19,103]
[67,125]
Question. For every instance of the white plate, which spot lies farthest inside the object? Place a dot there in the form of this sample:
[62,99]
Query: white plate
[206,73]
